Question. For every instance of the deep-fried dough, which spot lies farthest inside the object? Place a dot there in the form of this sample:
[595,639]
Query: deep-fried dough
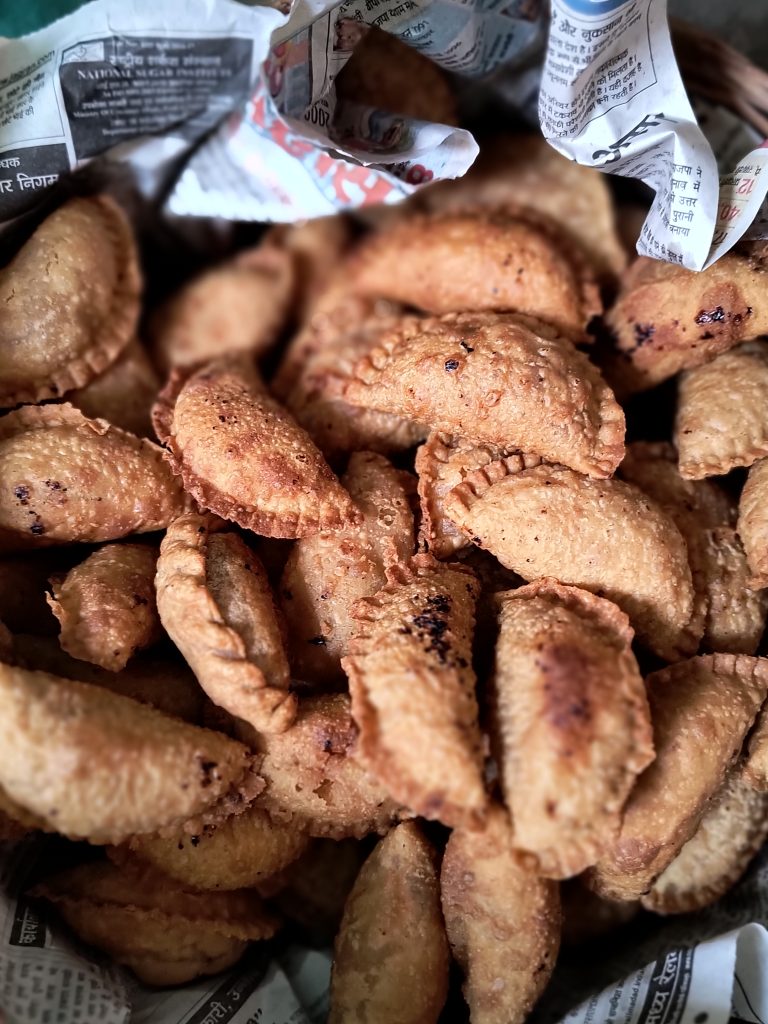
[442,462]
[70,301]
[503,922]
[238,307]
[602,535]
[241,455]
[722,412]
[571,721]
[327,574]
[98,766]
[756,764]
[736,612]
[413,690]
[314,777]
[165,934]
[316,247]
[123,394]
[106,605]
[753,522]
[729,835]
[237,853]
[701,710]
[67,478]
[668,318]
[480,259]
[216,604]
[496,379]
[390,963]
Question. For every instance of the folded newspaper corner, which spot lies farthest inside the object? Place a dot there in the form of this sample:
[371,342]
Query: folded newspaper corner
[234,115]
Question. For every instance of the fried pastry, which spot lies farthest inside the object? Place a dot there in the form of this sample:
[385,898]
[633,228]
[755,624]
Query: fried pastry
[729,835]
[123,394]
[722,412]
[701,711]
[164,933]
[668,319]
[753,523]
[601,535]
[106,605]
[503,921]
[314,777]
[413,690]
[390,959]
[495,379]
[242,456]
[66,478]
[327,574]
[98,766]
[756,763]
[570,719]
[216,604]
[70,301]
[237,308]
[736,612]
[316,247]
[479,259]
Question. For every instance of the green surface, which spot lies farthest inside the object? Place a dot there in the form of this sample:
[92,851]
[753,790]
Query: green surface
[18,17]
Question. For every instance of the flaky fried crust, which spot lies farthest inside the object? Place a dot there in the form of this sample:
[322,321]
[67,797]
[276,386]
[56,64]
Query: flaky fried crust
[503,921]
[70,301]
[165,934]
[216,605]
[314,777]
[701,710]
[66,478]
[601,535]
[526,171]
[123,394]
[756,764]
[238,307]
[736,612]
[496,379]
[413,690]
[442,463]
[327,574]
[722,412]
[94,765]
[669,319]
[480,259]
[753,523]
[238,853]
[242,456]
[729,835]
[571,721]
[106,605]
[390,962]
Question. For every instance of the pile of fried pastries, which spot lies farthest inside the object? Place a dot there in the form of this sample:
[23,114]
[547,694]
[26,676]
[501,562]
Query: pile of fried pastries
[334,596]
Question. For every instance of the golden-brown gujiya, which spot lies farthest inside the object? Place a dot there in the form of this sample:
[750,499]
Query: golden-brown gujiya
[413,690]
[753,522]
[390,958]
[242,456]
[732,831]
[328,573]
[736,612]
[106,605]
[571,722]
[167,935]
[601,535]
[65,478]
[495,379]
[123,394]
[314,777]
[505,259]
[503,921]
[668,319]
[237,308]
[70,301]
[442,462]
[701,711]
[722,412]
[215,603]
[98,766]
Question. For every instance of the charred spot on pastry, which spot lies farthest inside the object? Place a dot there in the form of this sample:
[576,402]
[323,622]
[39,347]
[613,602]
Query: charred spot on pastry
[432,625]
[317,641]
[466,347]
[711,316]
[643,333]
[451,364]
[208,772]
[37,527]
[21,493]
[55,485]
